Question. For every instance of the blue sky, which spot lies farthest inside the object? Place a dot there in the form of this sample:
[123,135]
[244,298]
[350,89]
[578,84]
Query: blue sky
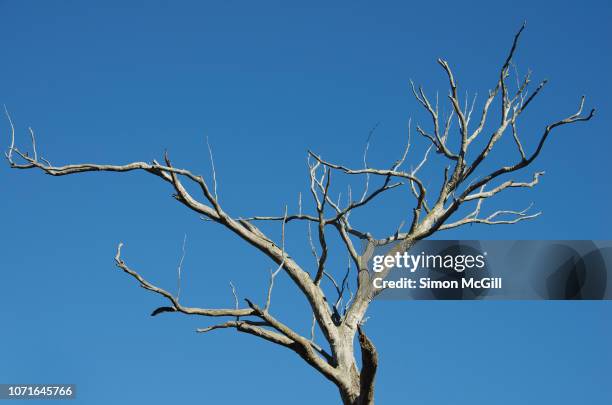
[121,81]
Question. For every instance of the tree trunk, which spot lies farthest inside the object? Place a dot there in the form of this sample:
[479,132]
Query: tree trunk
[362,392]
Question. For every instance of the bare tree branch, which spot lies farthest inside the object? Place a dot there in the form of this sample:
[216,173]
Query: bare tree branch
[273,274]
[212,167]
[179,269]
[176,307]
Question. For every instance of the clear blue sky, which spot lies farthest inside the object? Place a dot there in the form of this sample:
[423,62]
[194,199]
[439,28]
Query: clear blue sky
[118,81]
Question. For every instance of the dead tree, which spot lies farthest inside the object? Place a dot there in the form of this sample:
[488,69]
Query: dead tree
[340,318]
